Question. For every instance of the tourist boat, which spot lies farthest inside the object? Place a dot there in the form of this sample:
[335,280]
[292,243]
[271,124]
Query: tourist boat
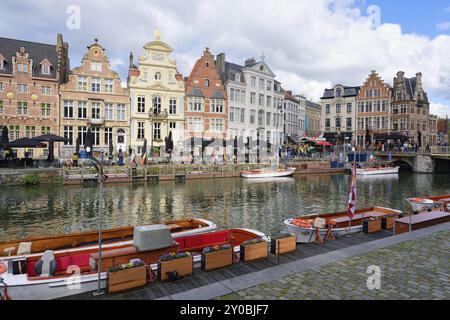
[430,203]
[377,171]
[115,236]
[268,173]
[149,244]
[303,227]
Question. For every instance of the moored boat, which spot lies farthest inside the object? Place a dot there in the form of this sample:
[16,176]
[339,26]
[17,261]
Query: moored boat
[430,203]
[377,171]
[115,236]
[268,173]
[49,275]
[303,226]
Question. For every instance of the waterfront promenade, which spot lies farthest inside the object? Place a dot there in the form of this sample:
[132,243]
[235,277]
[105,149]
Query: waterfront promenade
[413,266]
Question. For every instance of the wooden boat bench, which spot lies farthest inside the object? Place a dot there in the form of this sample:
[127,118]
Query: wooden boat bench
[419,221]
[343,221]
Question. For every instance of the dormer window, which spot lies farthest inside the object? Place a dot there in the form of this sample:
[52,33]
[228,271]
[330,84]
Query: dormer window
[45,69]
[22,67]
[338,92]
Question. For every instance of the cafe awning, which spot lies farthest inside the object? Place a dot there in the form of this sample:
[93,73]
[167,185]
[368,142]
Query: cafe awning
[25,143]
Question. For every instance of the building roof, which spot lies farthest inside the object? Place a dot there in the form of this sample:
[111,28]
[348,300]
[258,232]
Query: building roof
[348,92]
[411,88]
[217,95]
[312,105]
[196,92]
[38,52]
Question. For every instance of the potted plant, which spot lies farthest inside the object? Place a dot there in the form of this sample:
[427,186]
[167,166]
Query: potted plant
[283,243]
[175,265]
[371,225]
[217,257]
[254,249]
[126,276]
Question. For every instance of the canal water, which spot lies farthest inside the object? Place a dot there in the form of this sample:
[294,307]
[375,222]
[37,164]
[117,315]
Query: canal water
[234,202]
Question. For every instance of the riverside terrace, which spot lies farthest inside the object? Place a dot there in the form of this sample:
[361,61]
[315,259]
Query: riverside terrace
[240,276]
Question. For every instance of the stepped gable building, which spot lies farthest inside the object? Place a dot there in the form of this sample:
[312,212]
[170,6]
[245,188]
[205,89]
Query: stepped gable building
[373,115]
[206,107]
[30,74]
[157,100]
[339,113]
[94,98]
[411,109]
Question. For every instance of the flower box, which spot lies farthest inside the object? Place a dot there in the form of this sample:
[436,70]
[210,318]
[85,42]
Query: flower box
[254,251]
[127,279]
[387,223]
[283,244]
[217,259]
[182,266]
[371,226]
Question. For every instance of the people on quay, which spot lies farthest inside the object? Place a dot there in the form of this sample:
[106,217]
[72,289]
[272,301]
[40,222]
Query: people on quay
[75,159]
[120,158]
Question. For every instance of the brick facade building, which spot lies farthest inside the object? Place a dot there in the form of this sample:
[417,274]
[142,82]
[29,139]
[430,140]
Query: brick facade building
[30,74]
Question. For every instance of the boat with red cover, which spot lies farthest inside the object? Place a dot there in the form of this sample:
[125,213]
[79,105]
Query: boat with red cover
[59,273]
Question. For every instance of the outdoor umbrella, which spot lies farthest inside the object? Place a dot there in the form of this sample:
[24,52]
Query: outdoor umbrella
[419,138]
[25,143]
[110,148]
[235,146]
[77,146]
[88,141]
[169,144]
[5,135]
[144,148]
[51,139]
[368,139]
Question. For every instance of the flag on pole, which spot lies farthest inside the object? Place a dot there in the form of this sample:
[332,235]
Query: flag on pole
[352,194]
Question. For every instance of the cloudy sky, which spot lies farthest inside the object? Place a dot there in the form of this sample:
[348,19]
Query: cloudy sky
[310,45]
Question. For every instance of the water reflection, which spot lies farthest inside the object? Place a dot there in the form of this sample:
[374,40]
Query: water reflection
[261,205]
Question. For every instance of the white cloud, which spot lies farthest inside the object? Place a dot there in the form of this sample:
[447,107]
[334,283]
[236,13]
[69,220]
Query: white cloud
[440,109]
[309,44]
[443,26]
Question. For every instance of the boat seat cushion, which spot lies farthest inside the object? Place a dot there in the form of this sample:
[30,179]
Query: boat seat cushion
[63,263]
[81,260]
[206,239]
[30,268]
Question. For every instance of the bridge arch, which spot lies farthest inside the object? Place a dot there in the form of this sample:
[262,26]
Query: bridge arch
[405,165]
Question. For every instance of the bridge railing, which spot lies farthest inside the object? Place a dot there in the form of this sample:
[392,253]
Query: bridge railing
[444,151]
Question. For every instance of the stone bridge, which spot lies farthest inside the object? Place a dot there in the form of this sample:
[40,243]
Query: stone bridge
[437,160]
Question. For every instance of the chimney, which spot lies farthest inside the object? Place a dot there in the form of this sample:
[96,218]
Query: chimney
[131,60]
[250,61]
[220,62]
[289,92]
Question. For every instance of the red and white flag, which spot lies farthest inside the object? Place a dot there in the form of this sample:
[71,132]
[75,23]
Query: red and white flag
[352,194]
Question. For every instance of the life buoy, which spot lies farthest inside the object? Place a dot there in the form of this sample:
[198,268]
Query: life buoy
[2,267]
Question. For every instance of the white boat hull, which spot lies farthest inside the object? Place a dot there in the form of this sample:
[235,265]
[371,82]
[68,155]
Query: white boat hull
[306,235]
[269,174]
[377,171]
[423,205]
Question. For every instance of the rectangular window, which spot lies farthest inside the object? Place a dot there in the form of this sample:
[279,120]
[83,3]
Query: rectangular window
[252,116]
[232,94]
[22,108]
[216,125]
[95,111]
[45,69]
[172,125]
[1,86]
[45,109]
[140,131]
[217,105]
[30,131]
[368,93]
[195,124]
[108,135]
[82,131]
[46,90]
[96,133]
[349,107]
[268,115]
[121,112]
[327,124]
[253,82]
[327,109]
[141,104]
[242,115]
[242,96]
[82,83]
[109,86]
[338,108]
[261,100]
[82,110]
[95,84]
[253,98]
[172,106]
[22,88]
[360,107]
[368,106]
[196,104]
[349,123]
[157,131]
[261,84]
[45,130]
[232,114]
[108,111]
[269,101]
[269,85]
[68,134]
[360,123]
[1,106]
[96,66]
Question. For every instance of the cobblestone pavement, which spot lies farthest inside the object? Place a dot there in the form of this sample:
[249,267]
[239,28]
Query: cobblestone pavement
[417,269]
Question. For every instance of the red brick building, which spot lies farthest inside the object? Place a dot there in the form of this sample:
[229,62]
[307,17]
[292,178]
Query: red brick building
[206,106]
[30,74]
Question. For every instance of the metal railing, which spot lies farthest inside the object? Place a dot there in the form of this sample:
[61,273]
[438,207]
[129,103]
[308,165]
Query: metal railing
[440,151]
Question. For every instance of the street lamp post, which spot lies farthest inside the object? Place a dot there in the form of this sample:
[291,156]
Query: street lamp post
[279,111]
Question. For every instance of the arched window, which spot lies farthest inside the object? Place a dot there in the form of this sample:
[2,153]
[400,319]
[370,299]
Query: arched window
[338,92]
[158,76]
